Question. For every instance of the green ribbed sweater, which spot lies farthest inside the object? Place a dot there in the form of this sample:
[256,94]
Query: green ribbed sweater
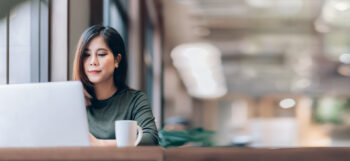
[125,104]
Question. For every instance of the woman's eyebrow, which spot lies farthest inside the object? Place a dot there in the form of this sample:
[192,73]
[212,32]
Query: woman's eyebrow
[101,49]
[87,49]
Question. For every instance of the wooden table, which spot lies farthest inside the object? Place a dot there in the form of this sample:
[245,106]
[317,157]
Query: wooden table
[174,154]
[257,154]
[82,153]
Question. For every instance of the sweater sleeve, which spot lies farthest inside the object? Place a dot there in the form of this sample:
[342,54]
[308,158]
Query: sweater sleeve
[142,113]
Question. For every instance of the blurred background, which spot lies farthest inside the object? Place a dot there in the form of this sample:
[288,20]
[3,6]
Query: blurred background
[260,73]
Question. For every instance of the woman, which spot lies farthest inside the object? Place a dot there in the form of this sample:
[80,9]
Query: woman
[101,65]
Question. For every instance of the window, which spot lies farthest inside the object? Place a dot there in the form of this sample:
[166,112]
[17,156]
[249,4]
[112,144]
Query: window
[3,51]
[19,43]
[148,59]
[116,16]
[24,44]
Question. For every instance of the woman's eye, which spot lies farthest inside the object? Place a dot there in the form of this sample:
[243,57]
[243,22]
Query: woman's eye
[86,55]
[102,54]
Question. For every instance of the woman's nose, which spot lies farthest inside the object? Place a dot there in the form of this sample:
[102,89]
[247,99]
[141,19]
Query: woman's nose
[93,61]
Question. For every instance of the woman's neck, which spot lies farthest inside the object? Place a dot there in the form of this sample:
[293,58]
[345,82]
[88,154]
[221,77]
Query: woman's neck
[105,90]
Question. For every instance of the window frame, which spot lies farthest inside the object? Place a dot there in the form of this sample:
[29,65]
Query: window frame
[40,42]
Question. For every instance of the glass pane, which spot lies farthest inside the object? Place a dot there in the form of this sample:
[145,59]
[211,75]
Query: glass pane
[3,58]
[124,4]
[117,21]
[149,60]
[20,32]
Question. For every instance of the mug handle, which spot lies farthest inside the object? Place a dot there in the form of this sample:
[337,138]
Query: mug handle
[139,135]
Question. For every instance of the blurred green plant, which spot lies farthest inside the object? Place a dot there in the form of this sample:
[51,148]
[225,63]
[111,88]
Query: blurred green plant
[331,110]
[195,136]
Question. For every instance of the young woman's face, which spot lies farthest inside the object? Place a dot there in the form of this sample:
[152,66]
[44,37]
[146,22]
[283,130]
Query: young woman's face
[99,61]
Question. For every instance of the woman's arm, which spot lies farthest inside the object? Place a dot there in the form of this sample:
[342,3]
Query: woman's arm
[100,142]
[142,113]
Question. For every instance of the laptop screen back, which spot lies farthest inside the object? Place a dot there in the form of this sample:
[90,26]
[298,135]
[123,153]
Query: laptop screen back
[43,115]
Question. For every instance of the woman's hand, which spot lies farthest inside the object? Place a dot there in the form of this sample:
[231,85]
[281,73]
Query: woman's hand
[94,141]
[99,142]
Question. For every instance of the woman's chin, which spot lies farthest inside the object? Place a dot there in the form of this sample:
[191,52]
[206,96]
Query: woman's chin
[95,81]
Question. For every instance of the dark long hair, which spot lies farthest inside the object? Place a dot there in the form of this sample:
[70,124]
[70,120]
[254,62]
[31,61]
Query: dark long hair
[115,43]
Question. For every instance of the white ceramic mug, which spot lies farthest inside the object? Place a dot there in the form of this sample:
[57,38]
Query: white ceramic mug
[126,132]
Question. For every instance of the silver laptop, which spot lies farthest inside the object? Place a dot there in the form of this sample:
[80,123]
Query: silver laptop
[43,115]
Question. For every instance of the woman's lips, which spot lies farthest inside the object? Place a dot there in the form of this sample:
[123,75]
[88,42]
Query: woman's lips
[94,71]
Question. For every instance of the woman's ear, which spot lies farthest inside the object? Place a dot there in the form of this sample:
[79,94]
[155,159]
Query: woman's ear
[117,60]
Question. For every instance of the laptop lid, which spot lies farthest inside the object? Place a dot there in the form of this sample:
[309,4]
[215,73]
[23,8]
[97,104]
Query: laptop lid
[43,115]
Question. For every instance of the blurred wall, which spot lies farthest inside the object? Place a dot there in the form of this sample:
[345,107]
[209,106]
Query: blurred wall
[79,19]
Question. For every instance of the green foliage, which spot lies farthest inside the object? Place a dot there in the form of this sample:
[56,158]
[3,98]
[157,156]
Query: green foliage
[197,136]
[331,110]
